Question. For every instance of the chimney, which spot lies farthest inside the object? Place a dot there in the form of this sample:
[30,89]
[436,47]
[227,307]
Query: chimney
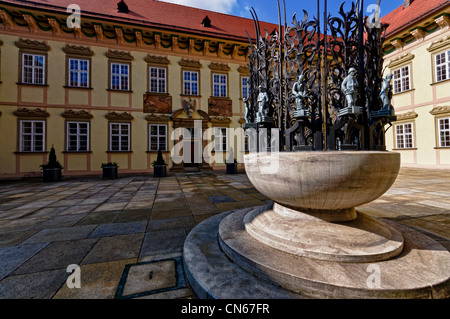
[407,3]
[122,7]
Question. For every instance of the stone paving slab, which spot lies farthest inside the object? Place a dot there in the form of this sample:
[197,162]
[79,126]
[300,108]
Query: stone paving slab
[106,225]
[57,255]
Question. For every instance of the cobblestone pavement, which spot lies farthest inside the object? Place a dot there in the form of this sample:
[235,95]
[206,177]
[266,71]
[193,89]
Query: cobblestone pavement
[126,235]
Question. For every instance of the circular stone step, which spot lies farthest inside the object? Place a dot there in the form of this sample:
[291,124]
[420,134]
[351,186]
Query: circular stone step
[242,267]
[363,239]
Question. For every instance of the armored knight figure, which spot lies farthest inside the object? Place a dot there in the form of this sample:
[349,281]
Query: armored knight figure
[350,87]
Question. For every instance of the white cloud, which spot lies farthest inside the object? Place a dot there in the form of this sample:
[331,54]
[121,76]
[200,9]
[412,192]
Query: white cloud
[223,6]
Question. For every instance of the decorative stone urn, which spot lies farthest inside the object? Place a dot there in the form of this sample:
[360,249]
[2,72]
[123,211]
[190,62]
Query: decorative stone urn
[315,195]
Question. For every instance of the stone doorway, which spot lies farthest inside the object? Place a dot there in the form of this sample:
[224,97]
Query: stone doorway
[192,159]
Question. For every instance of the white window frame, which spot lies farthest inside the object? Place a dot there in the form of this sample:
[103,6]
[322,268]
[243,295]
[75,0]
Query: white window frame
[120,76]
[220,139]
[77,135]
[442,66]
[444,132]
[79,72]
[33,134]
[188,83]
[119,137]
[245,87]
[404,135]
[157,136]
[220,85]
[160,80]
[36,78]
[402,81]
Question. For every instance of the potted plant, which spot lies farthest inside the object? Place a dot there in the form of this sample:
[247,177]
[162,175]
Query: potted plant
[159,166]
[52,169]
[109,170]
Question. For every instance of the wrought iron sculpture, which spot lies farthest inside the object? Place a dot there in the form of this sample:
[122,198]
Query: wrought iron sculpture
[323,92]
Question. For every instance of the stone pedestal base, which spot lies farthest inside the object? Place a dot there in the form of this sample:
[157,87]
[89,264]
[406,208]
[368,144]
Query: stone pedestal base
[360,238]
[222,260]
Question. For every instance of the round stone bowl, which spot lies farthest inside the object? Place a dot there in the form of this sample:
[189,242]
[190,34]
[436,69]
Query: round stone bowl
[324,184]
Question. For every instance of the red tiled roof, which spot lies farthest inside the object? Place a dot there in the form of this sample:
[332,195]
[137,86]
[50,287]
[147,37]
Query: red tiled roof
[402,18]
[158,14]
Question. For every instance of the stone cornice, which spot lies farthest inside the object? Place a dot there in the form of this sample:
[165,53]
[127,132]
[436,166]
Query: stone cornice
[119,55]
[158,118]
[26,112]
[219,67]
[440,44]
[244,69]
[438,110]
[78,50]
[32,45]
[220,120]
[154,59]
[82,114]
[401,60]
[190,63]
[406,116]
[114,116]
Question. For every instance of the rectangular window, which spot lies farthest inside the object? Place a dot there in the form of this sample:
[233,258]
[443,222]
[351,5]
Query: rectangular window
[219,85]
[245,87]
[443,66]
[402,80]
[33,68]
[190,82]
[120,76]
[32,136]
[157,137]
[77,137]
[220,139]
[119,137]
[78,73]
[157,80]
[404,135]
[444,132]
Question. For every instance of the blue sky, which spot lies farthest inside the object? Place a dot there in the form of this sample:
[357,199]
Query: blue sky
[267,10]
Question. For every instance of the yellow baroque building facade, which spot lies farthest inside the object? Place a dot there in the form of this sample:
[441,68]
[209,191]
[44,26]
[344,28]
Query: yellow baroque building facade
[417,53]
[118,85]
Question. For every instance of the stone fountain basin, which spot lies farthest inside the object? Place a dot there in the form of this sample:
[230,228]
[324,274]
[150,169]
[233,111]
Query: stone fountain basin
[315,182]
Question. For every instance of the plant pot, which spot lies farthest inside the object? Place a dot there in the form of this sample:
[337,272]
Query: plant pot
[159,170]
[232,168]
[110,172]
[52,174]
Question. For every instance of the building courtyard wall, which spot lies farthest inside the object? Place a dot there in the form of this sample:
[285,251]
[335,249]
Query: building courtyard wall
[55,103]
[427,100]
